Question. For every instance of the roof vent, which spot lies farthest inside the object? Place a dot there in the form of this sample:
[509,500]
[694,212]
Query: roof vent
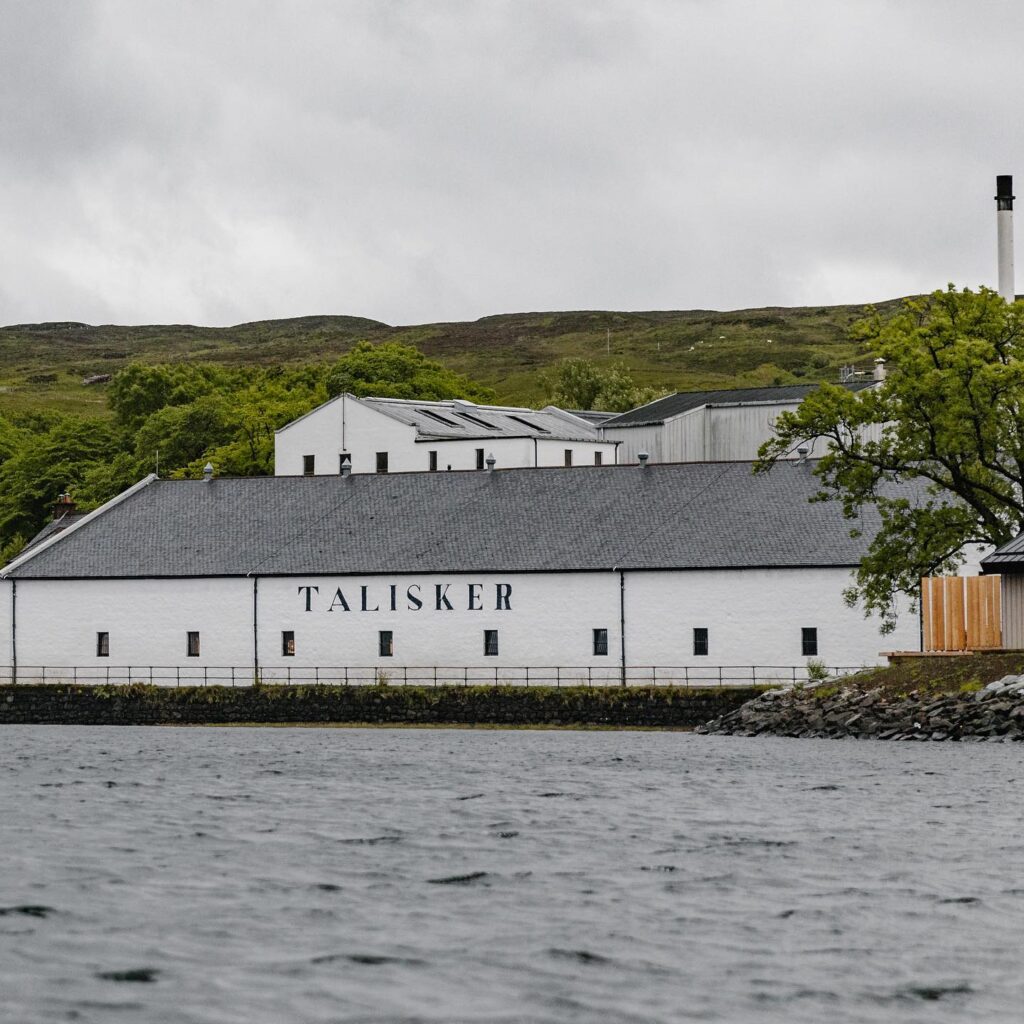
[643,457]
[490,462]
[803,451]
[208,472]
[345,463]
[879,372]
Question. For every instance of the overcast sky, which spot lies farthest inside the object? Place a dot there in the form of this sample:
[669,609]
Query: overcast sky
[217,161]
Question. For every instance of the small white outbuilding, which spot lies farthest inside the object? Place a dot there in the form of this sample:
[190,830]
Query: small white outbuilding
[391,435]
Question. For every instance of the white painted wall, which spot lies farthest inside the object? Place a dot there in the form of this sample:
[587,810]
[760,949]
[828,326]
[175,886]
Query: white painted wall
[6,590]
[147,621]
[753,616]
[346,424]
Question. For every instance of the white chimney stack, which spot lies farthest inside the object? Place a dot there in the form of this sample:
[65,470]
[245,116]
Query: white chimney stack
[1004,235]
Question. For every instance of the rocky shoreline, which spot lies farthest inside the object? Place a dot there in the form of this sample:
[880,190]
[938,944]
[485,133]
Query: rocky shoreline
[994,713]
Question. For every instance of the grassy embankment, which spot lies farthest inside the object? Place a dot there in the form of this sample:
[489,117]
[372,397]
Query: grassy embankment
[42,365]
[933,676]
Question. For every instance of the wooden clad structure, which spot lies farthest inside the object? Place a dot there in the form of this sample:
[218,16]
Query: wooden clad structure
[961,613]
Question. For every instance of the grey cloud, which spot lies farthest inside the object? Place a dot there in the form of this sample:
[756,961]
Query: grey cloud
[228,161]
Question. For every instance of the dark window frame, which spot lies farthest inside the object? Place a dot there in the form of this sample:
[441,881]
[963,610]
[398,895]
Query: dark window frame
[382,462]
[193,645]
[598,458]
[568,457]
[309,465]
[600,643]
[386,643]
[432,461]
[287,643]
[700,640]
[479,458]
[490,643]
[102,645]
[809,641]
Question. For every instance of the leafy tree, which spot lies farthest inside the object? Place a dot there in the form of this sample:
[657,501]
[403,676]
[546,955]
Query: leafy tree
[393,370]
[949,420]
[44,466]
[581,384]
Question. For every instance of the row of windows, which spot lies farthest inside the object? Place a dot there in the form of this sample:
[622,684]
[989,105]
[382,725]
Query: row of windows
[808,641]
[309,461]
[386,642]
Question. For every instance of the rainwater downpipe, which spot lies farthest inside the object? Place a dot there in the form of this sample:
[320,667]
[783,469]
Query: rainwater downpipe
[622,623]
[535,463]
[255,628]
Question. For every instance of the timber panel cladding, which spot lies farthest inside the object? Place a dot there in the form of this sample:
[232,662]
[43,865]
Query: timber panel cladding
[961,613]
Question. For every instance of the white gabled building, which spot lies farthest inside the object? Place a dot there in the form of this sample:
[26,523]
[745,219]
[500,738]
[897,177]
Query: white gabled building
[390,435]
[705,426]
[605,573]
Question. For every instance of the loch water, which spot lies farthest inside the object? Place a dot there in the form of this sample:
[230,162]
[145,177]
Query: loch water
[301,875]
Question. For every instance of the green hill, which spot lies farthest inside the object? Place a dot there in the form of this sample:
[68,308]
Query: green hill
[42,365]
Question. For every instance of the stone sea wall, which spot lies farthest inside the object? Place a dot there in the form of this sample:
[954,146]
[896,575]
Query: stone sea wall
[665,707]
[993,713]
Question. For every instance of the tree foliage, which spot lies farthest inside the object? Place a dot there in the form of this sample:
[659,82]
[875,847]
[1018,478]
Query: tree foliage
[582,384]
[393,370]
[176,418]
[948,423]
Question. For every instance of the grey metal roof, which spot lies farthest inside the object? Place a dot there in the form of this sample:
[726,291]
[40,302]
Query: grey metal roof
[1008,558]
[686,516]
[456,420]
[662,409]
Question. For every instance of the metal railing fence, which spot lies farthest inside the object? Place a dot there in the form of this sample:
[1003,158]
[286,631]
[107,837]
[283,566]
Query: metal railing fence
[692,676]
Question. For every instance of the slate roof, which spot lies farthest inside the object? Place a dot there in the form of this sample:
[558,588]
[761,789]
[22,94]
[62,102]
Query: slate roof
[674,515]
[662,409]
[57,525]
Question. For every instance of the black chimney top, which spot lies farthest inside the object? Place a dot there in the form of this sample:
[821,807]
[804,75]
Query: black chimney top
[1004,187]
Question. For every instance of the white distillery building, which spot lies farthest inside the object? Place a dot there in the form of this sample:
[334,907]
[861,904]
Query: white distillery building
[698,426]
[600,573]
[391,435]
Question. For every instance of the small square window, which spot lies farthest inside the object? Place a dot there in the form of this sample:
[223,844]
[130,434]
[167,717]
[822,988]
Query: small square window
[386,643]
[700,641]
[192,646]
[568,456]
[598,458]
[102,645]
[479,458]
[490,643]
[288,643]
[308,465]
[432,461]
[809,641]
[382,462]
[600,641]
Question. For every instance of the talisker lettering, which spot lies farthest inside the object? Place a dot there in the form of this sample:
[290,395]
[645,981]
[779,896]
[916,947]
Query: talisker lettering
[371,598]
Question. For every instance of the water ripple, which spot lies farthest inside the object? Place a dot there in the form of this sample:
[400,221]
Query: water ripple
[219,876]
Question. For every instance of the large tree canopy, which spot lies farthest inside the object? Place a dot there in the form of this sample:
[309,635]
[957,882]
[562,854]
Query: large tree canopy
[949,416]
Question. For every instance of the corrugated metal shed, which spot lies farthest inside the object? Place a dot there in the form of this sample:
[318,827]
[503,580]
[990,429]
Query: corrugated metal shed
[665,408]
